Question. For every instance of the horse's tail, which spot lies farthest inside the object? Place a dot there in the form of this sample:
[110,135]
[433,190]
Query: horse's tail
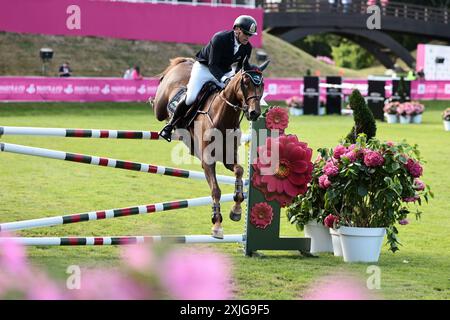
[173,63]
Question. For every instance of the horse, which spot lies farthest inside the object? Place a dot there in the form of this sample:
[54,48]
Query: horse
[221,112]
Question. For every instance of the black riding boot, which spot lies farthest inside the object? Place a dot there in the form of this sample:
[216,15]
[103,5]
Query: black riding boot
[180,111]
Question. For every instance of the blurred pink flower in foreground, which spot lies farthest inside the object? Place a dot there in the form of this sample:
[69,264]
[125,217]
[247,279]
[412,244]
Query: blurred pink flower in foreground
[194,275]
[339,287]
[139,257]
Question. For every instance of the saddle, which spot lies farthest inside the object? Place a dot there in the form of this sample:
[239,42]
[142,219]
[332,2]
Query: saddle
[208,89]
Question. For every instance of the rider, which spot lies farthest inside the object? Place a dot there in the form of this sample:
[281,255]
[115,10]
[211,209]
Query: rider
[215,63]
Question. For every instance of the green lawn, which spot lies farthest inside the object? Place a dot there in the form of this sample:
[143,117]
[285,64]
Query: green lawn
[36,187]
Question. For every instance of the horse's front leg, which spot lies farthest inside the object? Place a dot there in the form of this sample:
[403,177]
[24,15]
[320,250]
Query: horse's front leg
[210,173]
[236,211]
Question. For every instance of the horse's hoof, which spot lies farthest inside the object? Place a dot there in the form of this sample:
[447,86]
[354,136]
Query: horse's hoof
[235,216]
[217,233]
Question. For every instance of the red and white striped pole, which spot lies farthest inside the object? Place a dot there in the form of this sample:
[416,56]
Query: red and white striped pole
[108,162]
[111,213]
[127,240]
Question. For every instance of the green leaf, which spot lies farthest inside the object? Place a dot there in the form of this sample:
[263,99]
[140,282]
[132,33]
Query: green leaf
[362,190]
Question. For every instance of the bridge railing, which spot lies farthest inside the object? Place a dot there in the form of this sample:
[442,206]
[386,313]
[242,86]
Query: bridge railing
[392,9]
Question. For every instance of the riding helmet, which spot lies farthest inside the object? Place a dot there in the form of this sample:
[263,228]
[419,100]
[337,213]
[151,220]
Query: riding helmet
[247,24]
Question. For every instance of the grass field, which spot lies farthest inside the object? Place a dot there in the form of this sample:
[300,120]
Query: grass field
[36,187]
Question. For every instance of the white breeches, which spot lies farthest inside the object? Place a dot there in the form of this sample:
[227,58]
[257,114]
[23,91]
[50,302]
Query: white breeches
[200,74]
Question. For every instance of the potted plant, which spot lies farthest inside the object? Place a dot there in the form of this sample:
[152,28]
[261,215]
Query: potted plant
[295,106]
[370,186]
[308,214]
[322,105]
[390,111]
[446,119]
[405,110]
[416,116]
[331,221]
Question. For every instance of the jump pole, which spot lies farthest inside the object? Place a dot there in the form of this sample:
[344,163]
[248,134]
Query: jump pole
[90,133]
[111,213]
[108,162]
[122,240]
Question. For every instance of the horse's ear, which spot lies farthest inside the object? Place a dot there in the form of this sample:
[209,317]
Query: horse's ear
[245,64]
[264,65]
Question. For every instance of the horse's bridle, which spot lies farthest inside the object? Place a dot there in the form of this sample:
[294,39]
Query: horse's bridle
[243,106]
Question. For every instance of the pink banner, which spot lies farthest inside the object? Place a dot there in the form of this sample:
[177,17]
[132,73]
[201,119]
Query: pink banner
[76,89]
[117,89]
[125,20]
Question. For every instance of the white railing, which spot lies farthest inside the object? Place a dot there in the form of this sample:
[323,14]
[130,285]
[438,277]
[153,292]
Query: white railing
[213,3]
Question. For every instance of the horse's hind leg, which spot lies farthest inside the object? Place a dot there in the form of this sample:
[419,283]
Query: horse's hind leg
[210,173]
[236,211]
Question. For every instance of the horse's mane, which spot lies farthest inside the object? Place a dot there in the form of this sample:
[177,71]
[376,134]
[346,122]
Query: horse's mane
[173,63]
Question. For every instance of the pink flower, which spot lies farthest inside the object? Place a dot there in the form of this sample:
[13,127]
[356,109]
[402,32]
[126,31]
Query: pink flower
[339,287]
[414,168]
[351,156]
[419,185]
[109,285]
[284,178]
[139,257]
[330,169]
[403,222]
[261,215]
[277,118]
[339,151]
[390,144]
[12,256]
[40,287]
[324,183]
[191,275]
[330,220]
[411,199]
[373,159]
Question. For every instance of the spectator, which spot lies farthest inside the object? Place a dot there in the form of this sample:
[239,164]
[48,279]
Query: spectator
[128,74]
[332,5]
[346,5]
[64,70]
[384,3]
[136,74]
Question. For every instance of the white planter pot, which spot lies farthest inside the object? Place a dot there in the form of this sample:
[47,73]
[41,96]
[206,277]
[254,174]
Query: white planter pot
[322,111]
[336,241]
[361,244]
[405,119]
[391,118]
[446,125]
[296,111]
[417,118]
[320,237]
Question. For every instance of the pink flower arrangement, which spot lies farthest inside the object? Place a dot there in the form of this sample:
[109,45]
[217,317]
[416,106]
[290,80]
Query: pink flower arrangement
[369,184]
[391,107]
[414,168]
[294,102]
[330,169]
[419,185]
[339,151]
[277,118]
[418,107]
[324,182]
[406,109]
[261,215]
[330,221]
[291,173]
[373,159]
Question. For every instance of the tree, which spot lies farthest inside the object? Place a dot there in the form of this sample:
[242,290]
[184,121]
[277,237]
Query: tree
[363,117]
